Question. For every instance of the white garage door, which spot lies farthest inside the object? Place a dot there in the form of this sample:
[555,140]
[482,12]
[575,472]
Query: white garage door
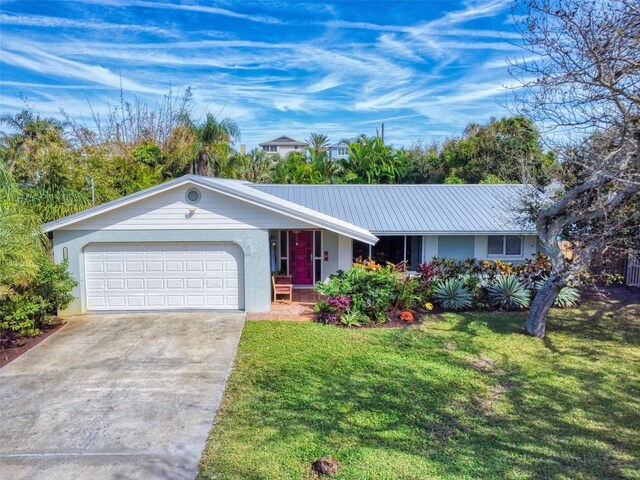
[163,276]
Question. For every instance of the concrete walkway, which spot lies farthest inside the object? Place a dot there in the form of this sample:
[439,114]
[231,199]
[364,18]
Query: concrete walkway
[116,397]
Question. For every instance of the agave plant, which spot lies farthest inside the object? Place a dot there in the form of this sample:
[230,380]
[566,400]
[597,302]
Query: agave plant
[452,294]
[507,292]
[567,297]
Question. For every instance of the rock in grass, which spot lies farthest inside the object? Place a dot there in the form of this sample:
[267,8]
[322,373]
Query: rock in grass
[326,465]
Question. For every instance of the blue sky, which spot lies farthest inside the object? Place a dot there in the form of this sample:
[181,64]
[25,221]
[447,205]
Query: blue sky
[424,68]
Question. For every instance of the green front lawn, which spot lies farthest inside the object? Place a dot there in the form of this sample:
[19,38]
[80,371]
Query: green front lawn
[464,396]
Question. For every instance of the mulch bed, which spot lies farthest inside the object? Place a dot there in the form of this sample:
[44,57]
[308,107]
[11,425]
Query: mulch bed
[420,316]
[24,344]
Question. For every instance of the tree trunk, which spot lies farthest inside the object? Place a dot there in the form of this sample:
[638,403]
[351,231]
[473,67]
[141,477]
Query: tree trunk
[203,166]
[543,301]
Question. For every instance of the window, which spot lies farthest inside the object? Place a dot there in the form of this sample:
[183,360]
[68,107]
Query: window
[193,196]
[414,252]
[284,264]
[505,245]
[317,255]
[270,148]
[393,249]
[389,249]
[342,151]
[361,251]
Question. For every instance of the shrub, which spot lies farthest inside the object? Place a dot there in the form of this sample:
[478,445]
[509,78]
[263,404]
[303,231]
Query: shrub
[341,303]
[407,292]
[485,271]
[53,285]
[327,317]
[507,292]
[28,308]
[371,288]
[354,318]
[567,297]
[452,294]
[428,272]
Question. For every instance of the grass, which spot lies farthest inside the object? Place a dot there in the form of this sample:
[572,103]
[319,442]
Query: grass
[465,396]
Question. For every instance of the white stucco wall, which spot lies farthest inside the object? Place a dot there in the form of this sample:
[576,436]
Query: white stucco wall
[283,151]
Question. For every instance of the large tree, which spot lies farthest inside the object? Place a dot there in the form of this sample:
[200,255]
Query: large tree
[581,79]
[46,168]
[371,161]
[318,143]
[214,139]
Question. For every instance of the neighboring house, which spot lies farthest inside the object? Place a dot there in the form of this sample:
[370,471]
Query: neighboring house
[283,145]
[339,151]
[207,243]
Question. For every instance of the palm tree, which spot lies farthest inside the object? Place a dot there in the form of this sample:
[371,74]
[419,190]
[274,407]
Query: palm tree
[258,166]
[213,144]
[33,136]
[318,143]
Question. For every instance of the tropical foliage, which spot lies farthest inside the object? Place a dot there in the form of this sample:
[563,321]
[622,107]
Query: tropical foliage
[32,286]
[567,297]
[452,294]
[507,292]
[370,292]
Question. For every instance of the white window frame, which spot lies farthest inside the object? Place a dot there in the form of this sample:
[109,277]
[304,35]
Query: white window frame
[321,257]
[404,248]
[504,253]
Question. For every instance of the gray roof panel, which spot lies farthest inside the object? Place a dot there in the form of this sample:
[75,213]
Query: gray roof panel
[414,208]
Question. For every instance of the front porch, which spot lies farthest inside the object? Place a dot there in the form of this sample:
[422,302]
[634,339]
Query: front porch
[299,310]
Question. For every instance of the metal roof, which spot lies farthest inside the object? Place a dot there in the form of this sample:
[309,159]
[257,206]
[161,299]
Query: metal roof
[454,209]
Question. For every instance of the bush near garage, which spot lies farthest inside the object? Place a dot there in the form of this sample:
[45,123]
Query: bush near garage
[26,309]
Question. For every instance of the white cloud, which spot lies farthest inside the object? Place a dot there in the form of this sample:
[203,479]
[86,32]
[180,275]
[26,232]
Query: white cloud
[422,78]
[59,22]
[49,64]
[189,8]
[326,83]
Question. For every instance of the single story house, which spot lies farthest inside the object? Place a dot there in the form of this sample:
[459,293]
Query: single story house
[208,243]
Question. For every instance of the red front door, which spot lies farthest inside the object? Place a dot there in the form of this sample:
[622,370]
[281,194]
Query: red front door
[301,257]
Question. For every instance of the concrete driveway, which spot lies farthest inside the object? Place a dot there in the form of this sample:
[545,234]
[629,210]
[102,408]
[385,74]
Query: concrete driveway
[122,396]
